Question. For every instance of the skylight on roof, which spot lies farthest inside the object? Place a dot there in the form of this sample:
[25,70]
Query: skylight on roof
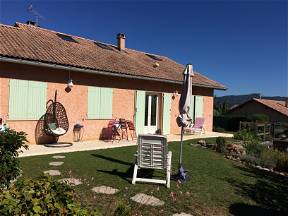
[157,58]
[66,38]
[103,46]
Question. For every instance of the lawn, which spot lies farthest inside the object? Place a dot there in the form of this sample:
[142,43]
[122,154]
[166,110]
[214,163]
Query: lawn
[217,186]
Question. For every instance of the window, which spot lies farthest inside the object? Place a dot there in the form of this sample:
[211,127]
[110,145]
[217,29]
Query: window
[27,99]
[197,107]
[100,103]
[154,57]
[66,38]
[103,46]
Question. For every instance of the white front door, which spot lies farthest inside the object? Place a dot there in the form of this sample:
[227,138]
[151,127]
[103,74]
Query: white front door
[151,113]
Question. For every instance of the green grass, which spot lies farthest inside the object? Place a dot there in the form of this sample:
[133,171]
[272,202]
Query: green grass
[217,186]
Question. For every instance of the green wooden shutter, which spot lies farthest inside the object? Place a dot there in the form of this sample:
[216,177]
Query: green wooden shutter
[140,111]
[37,95]
[166,113]
[94,98]
[27,100]
[18,97]
[100,103]
[106,98]
[198,106]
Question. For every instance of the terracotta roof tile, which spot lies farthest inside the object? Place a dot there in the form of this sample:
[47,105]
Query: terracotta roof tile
[38,44]
[279,106]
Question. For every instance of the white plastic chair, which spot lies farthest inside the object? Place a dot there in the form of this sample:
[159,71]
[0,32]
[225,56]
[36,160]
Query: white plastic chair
[153,154]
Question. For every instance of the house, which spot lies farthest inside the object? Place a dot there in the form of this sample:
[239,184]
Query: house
[277,111]
[110,81]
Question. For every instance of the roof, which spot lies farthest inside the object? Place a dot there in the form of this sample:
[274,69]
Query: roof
[278,106]
[35,44]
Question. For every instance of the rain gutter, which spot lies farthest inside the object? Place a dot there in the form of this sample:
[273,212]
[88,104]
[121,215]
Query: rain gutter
[92,71]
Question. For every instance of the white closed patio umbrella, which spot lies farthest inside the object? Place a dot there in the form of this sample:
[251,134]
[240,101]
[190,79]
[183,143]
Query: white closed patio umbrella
[184,119]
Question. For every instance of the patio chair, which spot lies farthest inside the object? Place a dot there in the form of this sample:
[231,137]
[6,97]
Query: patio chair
[132,129]
[113,128]
[197,128]
[153,154]
[56,122]
[124,128]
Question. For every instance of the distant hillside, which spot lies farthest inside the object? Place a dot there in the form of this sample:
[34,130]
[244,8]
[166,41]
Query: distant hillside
[233,100]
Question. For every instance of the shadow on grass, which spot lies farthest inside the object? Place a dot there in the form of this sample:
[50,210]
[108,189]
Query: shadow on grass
[240,209]
[114,160]
[127,175]
[270,192]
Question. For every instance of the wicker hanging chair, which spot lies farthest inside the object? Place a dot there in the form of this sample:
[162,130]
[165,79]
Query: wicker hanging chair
[55,120]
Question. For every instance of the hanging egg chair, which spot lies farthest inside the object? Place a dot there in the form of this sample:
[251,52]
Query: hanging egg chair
[55,119]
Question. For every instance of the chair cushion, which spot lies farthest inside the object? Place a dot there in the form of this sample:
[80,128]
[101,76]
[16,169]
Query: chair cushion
[59,131]
[52,126]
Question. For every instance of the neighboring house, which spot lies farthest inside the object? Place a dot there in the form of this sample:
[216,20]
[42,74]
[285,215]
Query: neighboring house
[111,81]
[276,110]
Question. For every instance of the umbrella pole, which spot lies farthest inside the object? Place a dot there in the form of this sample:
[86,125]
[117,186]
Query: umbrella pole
[181,148]
[182,173]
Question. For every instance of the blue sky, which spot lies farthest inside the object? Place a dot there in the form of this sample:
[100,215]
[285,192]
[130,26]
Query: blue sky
[242,44]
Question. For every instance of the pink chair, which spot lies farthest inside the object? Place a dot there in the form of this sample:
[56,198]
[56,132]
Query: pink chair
[198,126]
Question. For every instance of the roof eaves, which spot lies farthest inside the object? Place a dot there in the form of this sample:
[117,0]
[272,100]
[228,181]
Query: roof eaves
[210,86]
[82,69]
[90,70]
[269,106]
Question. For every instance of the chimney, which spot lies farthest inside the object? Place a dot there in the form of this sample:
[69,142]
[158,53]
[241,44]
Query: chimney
[29,22]
[121,41]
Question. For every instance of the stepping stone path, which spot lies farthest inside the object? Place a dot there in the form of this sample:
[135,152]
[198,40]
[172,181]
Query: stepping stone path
[71,181]
[56,163]
[182,214]
[147,200]
[58,156]
[105,190]
[52,172]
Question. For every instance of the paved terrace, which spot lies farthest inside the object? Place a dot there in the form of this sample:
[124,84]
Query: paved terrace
[99,144]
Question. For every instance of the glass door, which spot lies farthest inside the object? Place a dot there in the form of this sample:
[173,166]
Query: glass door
[151,113]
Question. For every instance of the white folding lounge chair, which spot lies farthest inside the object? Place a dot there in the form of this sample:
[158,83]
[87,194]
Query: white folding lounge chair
[153,154]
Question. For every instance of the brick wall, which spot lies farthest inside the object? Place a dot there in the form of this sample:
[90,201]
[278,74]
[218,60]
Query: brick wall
[207,112]
[76,102]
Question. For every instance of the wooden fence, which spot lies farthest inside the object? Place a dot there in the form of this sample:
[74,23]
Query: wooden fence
[262,130]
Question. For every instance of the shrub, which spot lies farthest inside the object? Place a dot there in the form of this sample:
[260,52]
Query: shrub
[220,144]
[282,161]
[255,149]
[10,143]
[249,159]
[40,196]
[228,122]
[259,118]
[246,136]
[268,158]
